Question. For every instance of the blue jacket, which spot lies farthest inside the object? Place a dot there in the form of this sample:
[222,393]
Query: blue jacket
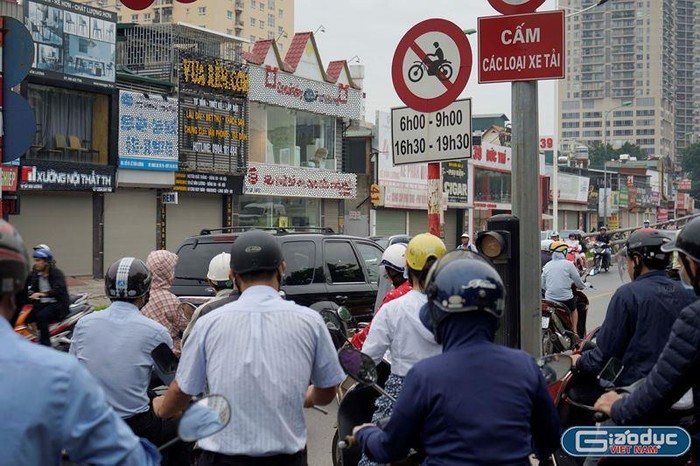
[477,403]
[676,371]
[637,325]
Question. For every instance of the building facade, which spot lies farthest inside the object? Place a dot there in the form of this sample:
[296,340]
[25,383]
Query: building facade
[248,19]
[636,53]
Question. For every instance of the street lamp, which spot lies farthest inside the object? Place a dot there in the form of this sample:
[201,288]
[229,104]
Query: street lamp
[626,103]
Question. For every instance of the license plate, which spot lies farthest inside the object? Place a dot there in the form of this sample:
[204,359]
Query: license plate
[545,322]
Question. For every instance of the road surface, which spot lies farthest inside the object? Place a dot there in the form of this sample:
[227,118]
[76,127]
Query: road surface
[321,427]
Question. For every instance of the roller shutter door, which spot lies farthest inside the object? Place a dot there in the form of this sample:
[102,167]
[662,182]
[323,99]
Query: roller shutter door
[130,224]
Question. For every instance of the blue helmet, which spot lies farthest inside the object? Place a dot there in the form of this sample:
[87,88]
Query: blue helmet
[45,254]
[462,281]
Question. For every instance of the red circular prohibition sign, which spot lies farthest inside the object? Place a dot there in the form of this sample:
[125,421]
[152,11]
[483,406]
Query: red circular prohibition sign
[507,8]
[452,89]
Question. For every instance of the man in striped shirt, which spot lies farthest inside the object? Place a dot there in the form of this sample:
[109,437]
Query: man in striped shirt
[260,352]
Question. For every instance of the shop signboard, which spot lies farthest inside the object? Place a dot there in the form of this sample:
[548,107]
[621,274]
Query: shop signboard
[208,183]
[213,75]
[454,182]
[148,132]
[277,180]
[492,156]
[662,215]
[685,185]
[213,126]
[74,43]
[67,177]
[624,196]
[273,86]
[9,178]
[655,198]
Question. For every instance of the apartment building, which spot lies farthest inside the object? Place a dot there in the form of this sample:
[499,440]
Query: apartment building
[249,19]
[630,68]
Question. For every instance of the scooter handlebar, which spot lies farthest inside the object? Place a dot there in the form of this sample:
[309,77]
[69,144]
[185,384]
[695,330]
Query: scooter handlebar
[600,417]
[348,442]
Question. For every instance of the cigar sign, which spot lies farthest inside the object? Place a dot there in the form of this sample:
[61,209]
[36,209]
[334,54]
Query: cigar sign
[524,47]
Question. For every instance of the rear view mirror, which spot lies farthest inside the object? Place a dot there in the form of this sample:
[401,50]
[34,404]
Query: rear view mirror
[187,310]
[331,319]
[554,367]
[611,371]
[358,365]
[165,363]
[345,314]
[204,418]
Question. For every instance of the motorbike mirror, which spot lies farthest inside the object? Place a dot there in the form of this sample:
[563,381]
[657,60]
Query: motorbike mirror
[611,371]
[204,418]
[344,314]
[554,367]
[282,294]
[331,319]
[358,365]
[186,310]
[165,363]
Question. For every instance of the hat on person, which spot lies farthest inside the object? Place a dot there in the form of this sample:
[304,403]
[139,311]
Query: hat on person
[465,235]
[219,267]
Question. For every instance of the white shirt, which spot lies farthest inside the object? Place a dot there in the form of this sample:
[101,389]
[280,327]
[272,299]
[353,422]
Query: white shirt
[260,352]
[397,328]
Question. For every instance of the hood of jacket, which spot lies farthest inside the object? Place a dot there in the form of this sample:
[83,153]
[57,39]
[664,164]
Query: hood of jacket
[558,256]
[162,266]
[466,328]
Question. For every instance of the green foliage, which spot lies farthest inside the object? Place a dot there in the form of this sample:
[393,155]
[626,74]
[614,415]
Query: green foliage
[598,154]
[690,158]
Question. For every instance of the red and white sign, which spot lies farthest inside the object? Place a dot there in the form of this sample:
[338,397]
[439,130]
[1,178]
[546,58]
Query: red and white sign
[9,178]
[546,142]
[521,47]
[662,215]
[491,156]
[515,7]
[431,65]
[281,180]
[685,185]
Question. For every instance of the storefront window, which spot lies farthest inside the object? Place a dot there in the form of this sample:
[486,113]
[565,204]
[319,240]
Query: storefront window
[71,126]
[292,137]
[261,211]
[491,186]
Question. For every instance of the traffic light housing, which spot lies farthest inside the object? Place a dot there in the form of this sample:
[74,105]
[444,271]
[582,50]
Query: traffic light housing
[501,244]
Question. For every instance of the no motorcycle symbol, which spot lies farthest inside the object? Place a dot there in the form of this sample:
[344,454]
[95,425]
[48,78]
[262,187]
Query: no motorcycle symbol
[431,65]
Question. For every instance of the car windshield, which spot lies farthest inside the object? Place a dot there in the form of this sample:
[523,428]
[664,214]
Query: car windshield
[193,259]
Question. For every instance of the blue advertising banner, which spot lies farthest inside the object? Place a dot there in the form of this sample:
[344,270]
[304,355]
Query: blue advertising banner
[148,132]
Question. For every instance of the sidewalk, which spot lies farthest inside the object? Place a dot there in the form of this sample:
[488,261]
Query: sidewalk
[86,284]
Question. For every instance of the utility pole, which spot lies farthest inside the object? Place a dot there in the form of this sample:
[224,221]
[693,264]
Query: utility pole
[526,202]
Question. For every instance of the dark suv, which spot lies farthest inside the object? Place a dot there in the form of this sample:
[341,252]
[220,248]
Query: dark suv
[321,266]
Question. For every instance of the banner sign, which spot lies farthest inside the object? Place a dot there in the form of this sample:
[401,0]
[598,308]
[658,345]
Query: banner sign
[74,43]
[67,178]
[273,86]
[454,182]
[208,183]
[277,180]
[685,185]
[203,73]
[9,178]
[148,132]
[211,126]
[492,156]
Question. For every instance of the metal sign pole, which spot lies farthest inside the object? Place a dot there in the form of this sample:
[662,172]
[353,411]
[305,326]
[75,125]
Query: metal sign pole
[526,204]
[434,198]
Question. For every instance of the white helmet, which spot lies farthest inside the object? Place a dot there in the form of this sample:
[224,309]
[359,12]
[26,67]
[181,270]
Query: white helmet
[219,267]
[394,257]
[545,243]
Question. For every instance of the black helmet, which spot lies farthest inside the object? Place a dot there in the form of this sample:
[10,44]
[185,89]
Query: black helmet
[687,241]
[14,263]
[646,243]
[127,278]
[255,251]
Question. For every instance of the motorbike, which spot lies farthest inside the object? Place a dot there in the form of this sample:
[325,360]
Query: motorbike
[357,405]
[601,261]
[558,334]
[443,70]
[61,332]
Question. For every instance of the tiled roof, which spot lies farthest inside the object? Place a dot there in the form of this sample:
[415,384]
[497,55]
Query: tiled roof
[334,70]
[259,52]
[295,51]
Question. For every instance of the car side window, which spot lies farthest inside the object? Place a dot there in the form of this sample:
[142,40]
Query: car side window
[372,256]
[342,263]
[301,260]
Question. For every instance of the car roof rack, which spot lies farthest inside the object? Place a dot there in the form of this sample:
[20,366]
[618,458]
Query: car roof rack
[209,231]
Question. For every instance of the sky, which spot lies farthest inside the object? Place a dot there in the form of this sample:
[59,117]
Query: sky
[371,29]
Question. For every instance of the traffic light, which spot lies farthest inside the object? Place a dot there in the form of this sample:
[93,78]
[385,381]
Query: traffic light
[501,244]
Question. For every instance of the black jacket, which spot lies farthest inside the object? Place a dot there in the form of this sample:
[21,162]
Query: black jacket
[59,290]
[676,372]
[637,325]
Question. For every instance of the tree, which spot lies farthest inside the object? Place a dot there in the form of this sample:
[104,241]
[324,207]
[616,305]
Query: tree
[691,164]
[598,154]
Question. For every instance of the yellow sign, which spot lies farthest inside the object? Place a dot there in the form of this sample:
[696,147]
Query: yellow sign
[613,222]
[283,222]
[216,75]
[375,195]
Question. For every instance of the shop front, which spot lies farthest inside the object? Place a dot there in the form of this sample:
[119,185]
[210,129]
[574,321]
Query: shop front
[68,168]
[297,114]
[490,180]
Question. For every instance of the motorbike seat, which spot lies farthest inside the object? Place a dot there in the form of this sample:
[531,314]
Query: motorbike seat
[559,306]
